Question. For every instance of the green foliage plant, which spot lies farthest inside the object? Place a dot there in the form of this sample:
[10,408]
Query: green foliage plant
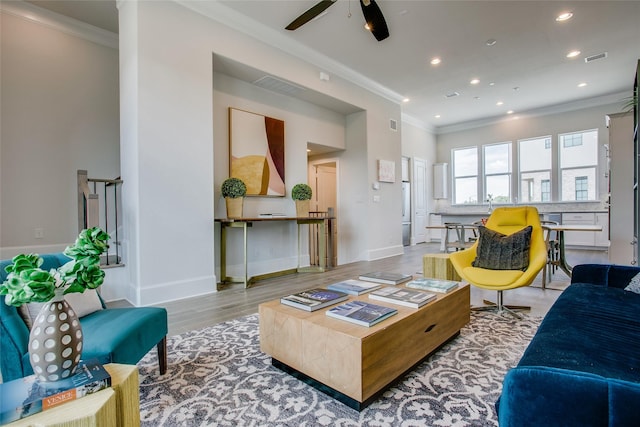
[27,282]
[301,192]
[233,188]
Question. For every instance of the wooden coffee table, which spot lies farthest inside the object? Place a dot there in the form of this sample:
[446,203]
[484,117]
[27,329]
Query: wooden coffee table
[355,364]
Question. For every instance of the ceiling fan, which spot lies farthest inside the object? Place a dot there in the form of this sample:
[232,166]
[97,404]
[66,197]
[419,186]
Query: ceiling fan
[372,15]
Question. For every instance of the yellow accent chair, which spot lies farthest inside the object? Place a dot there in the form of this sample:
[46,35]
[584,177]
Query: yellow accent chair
[505,220]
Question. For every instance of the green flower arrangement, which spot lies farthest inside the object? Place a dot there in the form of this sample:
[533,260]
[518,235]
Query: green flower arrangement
[233,188]
[27,282]
[301,192]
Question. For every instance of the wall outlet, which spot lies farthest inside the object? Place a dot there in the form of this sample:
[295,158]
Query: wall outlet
[38,233]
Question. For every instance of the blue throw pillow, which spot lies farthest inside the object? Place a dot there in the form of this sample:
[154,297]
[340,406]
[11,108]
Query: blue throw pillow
[497,251]
[634,284]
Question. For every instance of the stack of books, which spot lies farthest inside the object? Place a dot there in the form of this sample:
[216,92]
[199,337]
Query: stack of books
[354,287]
[386,278]
[314,299]
[27,396]
[402,296]
[361,313]
[433,285]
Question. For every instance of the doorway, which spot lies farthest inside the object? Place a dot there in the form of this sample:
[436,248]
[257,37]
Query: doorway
[324,184]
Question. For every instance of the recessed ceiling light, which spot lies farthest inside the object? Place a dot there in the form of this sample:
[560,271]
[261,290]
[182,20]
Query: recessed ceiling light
[476,97]
[583,84]
[516,88]
[510,112]
[499,103]
[435,61]
[492,84]
[474,81]
[573,54]
[437,116]
[491,42]
[406,100]
[564,16]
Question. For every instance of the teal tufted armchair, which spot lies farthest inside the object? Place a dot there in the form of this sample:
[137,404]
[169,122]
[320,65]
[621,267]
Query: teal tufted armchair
[118,335]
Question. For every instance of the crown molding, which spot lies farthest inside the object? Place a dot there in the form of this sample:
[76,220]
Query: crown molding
[581,104]
[60,23]
[225,15]
[413,121]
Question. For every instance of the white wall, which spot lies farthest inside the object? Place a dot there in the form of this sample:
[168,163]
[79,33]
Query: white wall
[168,137]
[418,142]
[304,122]
[59,114]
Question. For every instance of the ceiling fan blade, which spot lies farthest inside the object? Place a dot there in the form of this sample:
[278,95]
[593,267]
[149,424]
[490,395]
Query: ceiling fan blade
[375,20]
[309,14]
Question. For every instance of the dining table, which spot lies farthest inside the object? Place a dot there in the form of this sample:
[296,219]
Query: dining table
[561,229]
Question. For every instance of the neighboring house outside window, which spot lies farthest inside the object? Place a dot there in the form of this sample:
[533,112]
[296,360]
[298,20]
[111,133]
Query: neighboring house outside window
[582,184]
[545,190]
[534,159]
[578,160]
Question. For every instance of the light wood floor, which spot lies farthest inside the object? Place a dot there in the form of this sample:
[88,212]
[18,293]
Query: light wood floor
[235,301]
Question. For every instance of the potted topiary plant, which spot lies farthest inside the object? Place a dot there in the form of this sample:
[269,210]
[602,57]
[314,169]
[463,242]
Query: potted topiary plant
[301,193]
[233,191]
[55,341]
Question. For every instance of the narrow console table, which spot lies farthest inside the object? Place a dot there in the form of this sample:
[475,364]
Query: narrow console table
[245,224]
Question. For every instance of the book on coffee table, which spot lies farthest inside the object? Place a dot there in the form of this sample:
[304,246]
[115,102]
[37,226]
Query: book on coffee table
[361,312]
[402,296]
[434,285]
[386,278]
[314,299]
[27,396]
[353,287]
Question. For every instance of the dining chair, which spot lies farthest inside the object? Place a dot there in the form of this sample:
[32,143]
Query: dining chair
[552,242]
[458,230]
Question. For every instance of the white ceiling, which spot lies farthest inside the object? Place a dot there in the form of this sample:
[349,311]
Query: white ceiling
[526,69]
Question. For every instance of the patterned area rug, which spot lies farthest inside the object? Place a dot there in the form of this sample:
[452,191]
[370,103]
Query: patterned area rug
[218,376]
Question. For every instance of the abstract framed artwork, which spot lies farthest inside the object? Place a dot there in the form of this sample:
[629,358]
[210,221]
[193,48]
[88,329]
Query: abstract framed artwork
[386,171]
[256,152]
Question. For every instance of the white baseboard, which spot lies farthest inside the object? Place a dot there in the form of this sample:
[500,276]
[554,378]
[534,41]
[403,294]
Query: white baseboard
[385,252]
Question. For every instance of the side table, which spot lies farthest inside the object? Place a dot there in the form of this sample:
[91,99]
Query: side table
[438,266]
[117,406]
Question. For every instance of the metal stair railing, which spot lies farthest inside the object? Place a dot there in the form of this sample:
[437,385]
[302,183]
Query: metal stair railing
[96,210]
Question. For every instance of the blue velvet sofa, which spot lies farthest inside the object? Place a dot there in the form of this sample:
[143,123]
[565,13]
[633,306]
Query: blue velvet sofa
[582,368]
[119,335]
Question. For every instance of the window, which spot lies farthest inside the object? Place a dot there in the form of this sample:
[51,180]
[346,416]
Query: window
[534,156]
[545,190]
[578,160]
[465,175]
[497,172]
[572,140]
[582,185]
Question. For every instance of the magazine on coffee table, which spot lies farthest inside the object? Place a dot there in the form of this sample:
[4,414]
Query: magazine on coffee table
[354,287]
[386,278]
[314,299]
[403,296]
[361,313]
[434,285]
